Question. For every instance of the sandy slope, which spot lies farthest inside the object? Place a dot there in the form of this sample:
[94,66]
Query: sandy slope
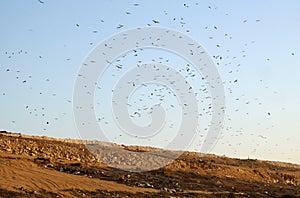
[46,167]
[20,173]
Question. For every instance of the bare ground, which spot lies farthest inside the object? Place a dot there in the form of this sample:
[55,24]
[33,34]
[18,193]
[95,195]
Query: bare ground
[47,167]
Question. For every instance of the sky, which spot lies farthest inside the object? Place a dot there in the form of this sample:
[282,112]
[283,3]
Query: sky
[44,43]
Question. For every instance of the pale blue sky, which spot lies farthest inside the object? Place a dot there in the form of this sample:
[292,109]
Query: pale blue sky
[258,40]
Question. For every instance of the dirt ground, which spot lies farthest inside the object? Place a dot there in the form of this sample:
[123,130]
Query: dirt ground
[47,167]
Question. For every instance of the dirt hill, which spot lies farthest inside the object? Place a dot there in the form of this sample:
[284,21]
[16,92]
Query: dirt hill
[33,166]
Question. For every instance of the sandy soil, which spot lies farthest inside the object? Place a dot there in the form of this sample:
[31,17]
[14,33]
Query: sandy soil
[47,167]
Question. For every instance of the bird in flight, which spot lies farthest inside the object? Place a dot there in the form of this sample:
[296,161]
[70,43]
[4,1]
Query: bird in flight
[120,26]
[41,1]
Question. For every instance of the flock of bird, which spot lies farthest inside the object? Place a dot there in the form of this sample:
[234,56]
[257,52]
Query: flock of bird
[221,60]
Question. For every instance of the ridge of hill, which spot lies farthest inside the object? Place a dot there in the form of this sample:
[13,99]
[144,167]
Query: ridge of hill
[34,166]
